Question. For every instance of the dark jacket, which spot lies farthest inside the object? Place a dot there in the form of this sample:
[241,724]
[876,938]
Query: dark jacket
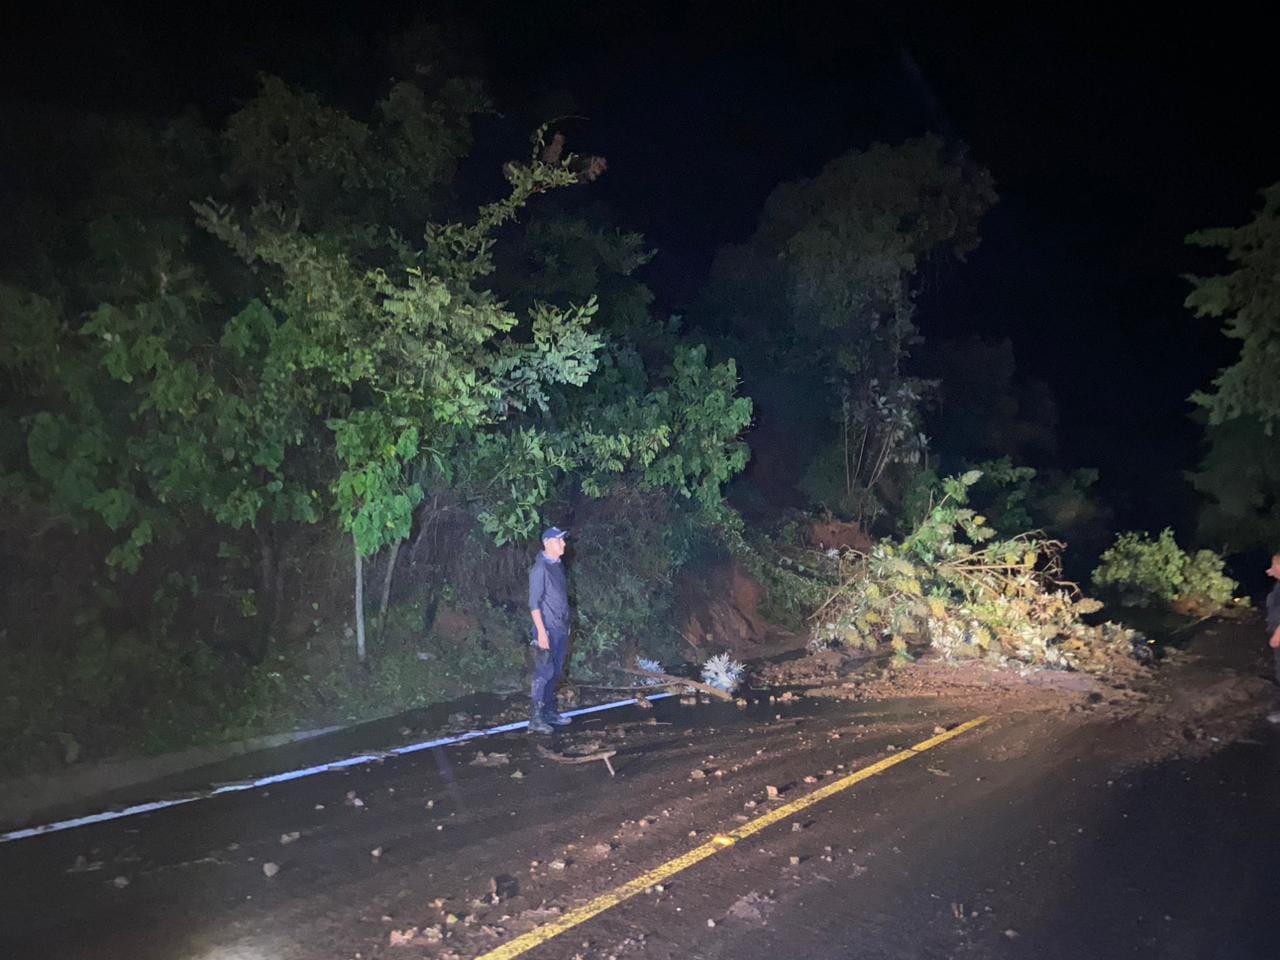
[549,592]
[1273,609]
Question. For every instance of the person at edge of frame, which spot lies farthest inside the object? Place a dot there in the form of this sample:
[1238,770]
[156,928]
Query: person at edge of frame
[1273,624]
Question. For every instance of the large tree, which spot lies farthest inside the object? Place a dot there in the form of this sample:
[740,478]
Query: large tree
[1240,473]
[820,301]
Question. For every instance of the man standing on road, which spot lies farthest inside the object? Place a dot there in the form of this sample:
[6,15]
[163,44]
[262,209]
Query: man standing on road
[549,608]
[1273,622]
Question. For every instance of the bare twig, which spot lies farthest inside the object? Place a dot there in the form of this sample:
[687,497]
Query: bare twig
[602,755]
[843,588]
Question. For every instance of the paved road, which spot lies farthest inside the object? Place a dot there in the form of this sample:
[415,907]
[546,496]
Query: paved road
[1018,839]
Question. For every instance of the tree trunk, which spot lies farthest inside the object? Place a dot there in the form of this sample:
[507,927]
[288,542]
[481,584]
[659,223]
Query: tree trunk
[267,579]
[359,601]
[386,590]
[848,458]
[277,600]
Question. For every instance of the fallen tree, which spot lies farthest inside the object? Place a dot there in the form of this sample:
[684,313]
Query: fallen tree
[950,585]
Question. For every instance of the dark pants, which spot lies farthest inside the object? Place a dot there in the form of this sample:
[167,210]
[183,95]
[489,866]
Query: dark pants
[548,667]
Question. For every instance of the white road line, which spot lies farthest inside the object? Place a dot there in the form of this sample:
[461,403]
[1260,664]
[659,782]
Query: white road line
[153,805]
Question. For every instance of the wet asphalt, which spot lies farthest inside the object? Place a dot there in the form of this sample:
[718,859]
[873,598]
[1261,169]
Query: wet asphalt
[1019,839]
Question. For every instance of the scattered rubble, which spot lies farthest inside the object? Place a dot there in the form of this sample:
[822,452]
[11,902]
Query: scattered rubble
[503,887]
[752,908]
[402,938]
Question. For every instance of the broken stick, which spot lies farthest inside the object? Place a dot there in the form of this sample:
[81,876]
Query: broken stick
[668,680]
[602,755]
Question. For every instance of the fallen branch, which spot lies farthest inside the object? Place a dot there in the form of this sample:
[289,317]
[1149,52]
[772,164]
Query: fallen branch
[668,680]
[845,587]
[602,756]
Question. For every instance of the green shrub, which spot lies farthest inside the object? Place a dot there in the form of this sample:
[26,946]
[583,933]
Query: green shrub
[1206,579]
[1146,571]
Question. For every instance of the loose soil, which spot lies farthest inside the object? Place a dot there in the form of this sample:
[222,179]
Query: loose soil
[449,854]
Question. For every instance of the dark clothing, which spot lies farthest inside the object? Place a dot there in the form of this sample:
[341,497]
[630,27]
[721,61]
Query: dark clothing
[548,665]
[1273,621]
[549,592]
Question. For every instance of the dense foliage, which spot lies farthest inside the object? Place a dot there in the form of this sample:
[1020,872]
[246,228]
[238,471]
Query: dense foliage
[1146,570]
[954,584]
[234,336]
[258,367]
[1239,474]
[1016,498]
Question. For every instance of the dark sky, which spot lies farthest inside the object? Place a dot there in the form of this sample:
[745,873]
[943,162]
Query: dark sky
[1110,134]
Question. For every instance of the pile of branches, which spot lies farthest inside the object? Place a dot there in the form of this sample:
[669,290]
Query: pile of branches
[953,586]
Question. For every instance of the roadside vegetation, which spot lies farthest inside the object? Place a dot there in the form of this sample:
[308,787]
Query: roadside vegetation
[283,412]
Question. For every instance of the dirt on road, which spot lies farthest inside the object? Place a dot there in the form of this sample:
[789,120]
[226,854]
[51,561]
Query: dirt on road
[455,852]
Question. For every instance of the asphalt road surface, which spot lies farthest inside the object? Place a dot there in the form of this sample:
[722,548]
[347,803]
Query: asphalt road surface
[1028,836]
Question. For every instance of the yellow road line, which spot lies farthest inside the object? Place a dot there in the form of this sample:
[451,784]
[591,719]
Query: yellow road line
[540,935]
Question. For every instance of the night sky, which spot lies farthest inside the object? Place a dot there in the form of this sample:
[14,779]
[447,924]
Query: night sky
[1110,136]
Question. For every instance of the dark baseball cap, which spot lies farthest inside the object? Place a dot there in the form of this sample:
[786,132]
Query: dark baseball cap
[554,533]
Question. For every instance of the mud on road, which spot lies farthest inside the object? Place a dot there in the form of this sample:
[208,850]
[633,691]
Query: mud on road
[998,843]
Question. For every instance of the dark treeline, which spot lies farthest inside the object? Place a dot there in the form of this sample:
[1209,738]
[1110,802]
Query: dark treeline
[327,338]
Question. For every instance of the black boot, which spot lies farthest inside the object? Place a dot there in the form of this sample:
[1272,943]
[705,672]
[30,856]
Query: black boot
[556,718]
[538,724]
